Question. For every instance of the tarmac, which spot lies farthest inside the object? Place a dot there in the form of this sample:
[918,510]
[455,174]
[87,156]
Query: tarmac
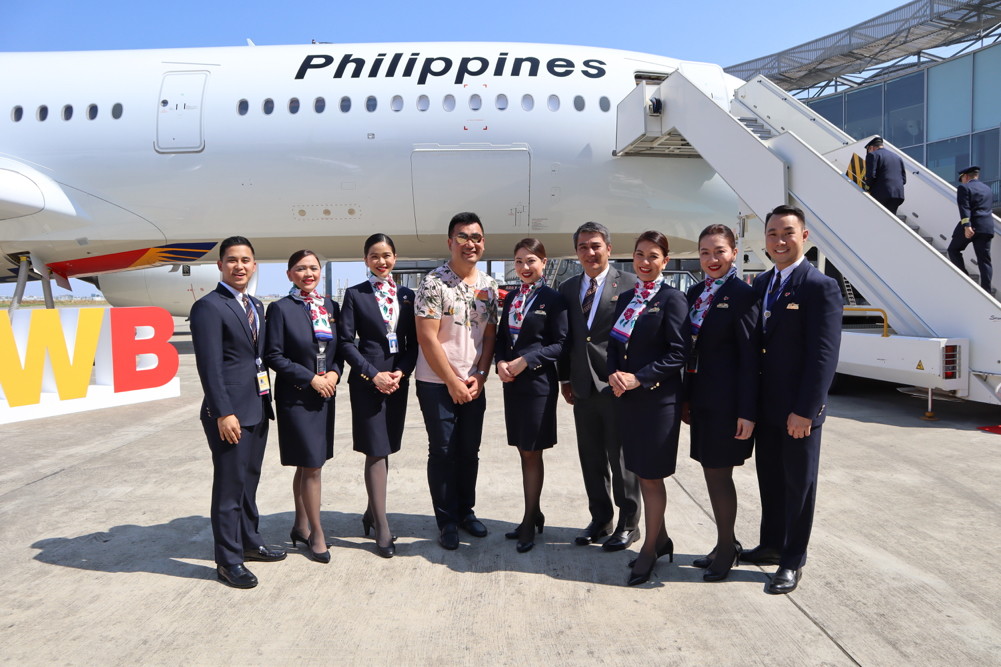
[107,553]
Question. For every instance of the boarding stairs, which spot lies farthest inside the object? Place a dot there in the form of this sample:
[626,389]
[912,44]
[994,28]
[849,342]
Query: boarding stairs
[772,149]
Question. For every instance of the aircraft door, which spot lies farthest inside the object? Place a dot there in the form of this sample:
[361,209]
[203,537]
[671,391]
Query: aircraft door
[494,183]
[179,113]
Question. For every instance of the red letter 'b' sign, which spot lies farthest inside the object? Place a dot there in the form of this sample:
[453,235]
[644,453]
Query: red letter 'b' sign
[143,359]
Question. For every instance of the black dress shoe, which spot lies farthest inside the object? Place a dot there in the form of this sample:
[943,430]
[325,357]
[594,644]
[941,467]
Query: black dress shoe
[761,555]
[449,538]
[784,581]
[593,532]
[720,575]
[390,551]
[265,554]
[667,549]
[707,560]
[637,578]
[473,526]
[621,538]
[236,576]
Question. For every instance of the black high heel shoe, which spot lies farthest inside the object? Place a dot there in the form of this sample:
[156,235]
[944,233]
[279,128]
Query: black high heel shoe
[296,536]
[707,560]
[540,522]
[318,557]
[713,575]
[635,579]
[369,524]
[667,549]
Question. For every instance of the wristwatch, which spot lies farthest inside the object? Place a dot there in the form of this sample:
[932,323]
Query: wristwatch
[483,373]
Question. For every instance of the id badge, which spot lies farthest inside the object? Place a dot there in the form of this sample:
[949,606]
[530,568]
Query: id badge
[321,363]
[263,384]
[394,343]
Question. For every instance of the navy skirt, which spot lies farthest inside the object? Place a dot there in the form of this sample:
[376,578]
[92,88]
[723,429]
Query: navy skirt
[530,419]
[713,444]
[377,419]
[305,433]
[650,425]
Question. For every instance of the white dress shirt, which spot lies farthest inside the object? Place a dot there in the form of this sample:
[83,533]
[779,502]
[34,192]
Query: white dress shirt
[239,299]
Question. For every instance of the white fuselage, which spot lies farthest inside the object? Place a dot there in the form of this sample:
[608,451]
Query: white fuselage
[182,165]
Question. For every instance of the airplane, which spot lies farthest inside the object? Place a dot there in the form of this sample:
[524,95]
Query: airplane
[120,160]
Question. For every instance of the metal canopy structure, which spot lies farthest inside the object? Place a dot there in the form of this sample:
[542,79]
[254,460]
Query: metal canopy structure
[891,38]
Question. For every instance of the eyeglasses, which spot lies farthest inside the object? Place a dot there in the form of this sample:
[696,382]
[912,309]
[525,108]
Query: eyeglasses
[463,237]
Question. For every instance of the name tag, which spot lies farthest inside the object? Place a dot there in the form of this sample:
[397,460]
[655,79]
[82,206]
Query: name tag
[394,342]
[538,312]
[654,310]
[263,384]
[321,363]
[792,306]
[722,305]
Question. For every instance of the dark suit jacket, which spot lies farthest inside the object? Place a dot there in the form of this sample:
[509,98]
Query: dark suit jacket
[540,342]
[728,346]
[976,201]
[227,359]
[885,174]
[658,347]
[800,347]
[292,347]
[585,355]
[360,314]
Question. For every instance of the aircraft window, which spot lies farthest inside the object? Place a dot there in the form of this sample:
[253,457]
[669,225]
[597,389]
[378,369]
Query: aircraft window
[345,104]
[67,112]
[243,107]
[604,104]
[371,103]
[423,103]
[17,114]
[502,102]
[43,112]
[397,103]
[293,105]
[92,111]
[554,103]
[527,103]
[578,103]
[116,111]
[475,102]
[319,104]
[269,106]
[448,103]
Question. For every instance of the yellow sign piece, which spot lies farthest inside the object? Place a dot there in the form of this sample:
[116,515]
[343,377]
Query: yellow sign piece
[856,170]
[921,366]
[22,384]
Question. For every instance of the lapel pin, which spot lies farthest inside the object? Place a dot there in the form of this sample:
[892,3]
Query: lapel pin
[787,293]
[726,298]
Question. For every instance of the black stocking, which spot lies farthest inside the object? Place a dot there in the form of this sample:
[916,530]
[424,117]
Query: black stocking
[533,472]
[376,479]
[723,496]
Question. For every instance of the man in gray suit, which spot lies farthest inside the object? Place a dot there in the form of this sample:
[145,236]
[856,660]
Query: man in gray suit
[584,379]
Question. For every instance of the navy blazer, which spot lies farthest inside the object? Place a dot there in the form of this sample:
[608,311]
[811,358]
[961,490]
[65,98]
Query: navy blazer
[227,358]
[799,348]
[360,315]
[728,363]
[658,347]
[292,347]
[885,174]
[976,201]
[540,341]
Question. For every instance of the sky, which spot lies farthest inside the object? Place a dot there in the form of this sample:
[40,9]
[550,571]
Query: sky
[724,32]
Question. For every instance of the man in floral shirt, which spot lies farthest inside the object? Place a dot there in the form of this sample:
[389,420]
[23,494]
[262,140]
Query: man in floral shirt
[456,308]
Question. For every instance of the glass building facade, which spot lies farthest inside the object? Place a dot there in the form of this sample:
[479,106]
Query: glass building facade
[946,116]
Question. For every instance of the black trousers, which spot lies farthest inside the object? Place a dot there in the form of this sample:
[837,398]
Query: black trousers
[236,473]
[891,204]
[981,248]
[454,434]
[599,446]
[787,481]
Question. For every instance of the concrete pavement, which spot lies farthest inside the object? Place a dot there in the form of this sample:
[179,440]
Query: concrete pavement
[107,554]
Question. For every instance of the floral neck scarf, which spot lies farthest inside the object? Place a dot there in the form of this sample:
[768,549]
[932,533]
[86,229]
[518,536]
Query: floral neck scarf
[701,306]
[645,291]
[317,312]
[385,296]
[519,306]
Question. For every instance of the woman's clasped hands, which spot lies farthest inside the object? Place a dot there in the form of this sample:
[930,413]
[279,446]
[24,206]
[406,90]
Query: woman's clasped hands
[388,381]
[509,370]
[621,382]
[325,384]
